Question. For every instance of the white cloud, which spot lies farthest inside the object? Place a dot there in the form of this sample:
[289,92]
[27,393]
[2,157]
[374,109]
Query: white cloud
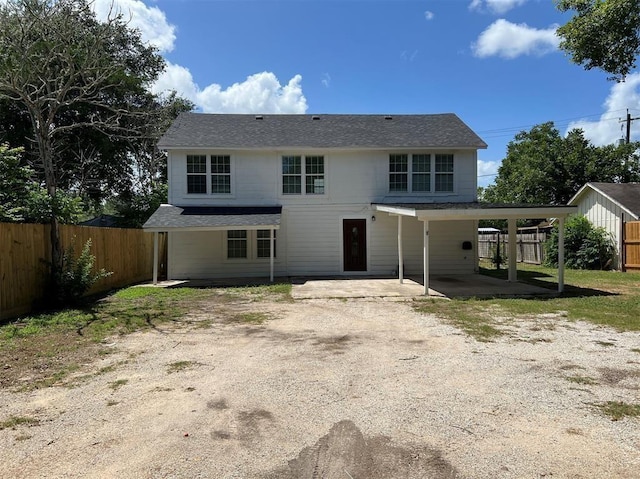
[326,80]
[487,171]
[429,15]
[498,7]
[607,130]
[150,21]
[509,40]
[259,93]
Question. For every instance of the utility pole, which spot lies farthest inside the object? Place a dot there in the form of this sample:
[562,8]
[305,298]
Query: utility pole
[628,121]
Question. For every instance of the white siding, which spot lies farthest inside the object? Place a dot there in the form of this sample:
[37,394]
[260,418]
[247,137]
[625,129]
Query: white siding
[604,213]
[309,241]
[350,177]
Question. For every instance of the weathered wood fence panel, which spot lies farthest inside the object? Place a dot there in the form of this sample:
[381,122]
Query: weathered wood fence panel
[530,246]
[631,246]
[25,254]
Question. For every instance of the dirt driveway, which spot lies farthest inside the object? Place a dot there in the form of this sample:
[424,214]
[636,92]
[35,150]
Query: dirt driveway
[350,389]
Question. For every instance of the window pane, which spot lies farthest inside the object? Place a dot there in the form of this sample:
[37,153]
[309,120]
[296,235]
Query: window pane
[314,179]
[236,244]
[291,165]
[421,182]
[291,185]
[196,184]
[397,182]
[314,165]
[220,183]
[264,244]
[398,163]
[444,163]
[421,163]
[196,164]
[221,164]
[444,182]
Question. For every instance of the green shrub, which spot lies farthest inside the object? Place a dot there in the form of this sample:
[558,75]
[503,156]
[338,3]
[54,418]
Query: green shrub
[585,246]
[76,276]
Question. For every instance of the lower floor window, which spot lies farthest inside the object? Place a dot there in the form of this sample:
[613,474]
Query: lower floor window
[255,244]
[263,243]
[236,244]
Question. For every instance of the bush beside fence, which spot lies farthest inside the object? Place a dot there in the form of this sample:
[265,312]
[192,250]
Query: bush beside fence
[25,254]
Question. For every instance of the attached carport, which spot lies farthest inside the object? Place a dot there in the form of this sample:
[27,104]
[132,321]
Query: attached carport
[168,218]
[426,212]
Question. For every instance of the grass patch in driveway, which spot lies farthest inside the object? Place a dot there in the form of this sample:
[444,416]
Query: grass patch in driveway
[41,350]
[15,421]
[605,298]
[617,410]
[471,316]
[181,366]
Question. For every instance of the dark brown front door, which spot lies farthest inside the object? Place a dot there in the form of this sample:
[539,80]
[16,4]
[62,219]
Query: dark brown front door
[354,244]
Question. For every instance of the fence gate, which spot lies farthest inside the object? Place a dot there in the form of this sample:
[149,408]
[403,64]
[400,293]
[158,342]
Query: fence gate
[631,246]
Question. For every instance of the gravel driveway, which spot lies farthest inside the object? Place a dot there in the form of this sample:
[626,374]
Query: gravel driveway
[350,389]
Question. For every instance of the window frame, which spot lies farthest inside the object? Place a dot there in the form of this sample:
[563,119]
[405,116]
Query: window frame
[252,241]
[196,174]
[209,175]
[432,173]
[311,169]
[240,240]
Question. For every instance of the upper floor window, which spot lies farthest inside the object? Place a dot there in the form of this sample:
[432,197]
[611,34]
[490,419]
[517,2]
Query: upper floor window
[424,173]
[444,172]
[398,173]
[293,173]
[196,174]
[220,174]
[213,176]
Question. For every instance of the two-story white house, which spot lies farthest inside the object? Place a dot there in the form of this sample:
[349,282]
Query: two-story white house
[320,195]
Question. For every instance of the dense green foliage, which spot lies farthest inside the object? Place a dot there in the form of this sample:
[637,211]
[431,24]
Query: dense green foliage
[542,167]
[23,199]
[77,275]
[586,247]
[603,34]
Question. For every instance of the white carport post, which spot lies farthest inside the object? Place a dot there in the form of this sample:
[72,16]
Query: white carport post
[513,250]
[271,253]
[425,255]
[561,254]
[155,257]
[400,253]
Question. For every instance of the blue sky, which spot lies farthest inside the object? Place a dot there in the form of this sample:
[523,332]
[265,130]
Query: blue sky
[495,63]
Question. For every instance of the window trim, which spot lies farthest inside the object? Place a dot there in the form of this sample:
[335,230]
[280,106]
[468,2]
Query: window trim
[431,173]
[251,244]
[209,176]
[303,175]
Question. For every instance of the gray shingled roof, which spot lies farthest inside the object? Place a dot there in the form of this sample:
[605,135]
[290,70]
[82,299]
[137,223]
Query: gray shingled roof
[168,217]
[626,195]
[199,130]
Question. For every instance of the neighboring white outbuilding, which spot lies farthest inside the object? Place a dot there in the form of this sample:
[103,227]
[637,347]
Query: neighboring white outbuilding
[610,206]
[305,195]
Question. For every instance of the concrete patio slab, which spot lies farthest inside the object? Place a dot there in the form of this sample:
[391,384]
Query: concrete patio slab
[463,286]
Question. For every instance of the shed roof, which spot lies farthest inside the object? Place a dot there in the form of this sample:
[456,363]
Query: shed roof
[199,130]
[169,217]
[625,195]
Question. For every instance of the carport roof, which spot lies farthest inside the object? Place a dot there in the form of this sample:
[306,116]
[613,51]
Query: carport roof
[474,210]
[211,218]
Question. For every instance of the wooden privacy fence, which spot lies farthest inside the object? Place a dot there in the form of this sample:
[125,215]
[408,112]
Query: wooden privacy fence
[530,246]
[631,246]
[25,254]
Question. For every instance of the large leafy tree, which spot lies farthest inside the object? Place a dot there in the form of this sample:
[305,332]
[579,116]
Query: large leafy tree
[76,80]
[603,34]
[542,167]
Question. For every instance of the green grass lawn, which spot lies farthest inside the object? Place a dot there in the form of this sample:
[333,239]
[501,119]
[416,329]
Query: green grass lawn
[49,347]
[607,298]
